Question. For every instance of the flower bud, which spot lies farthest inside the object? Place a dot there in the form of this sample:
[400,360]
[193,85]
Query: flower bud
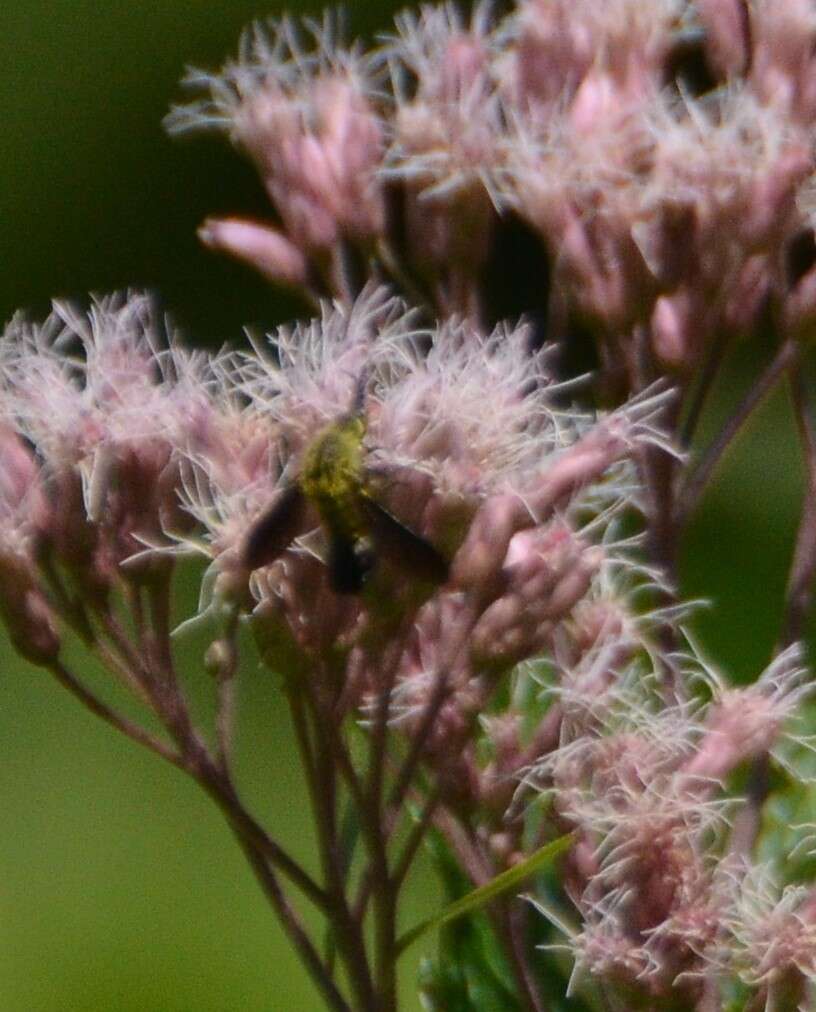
[747,295]
[726,34]
[675,330]
[219,658]
[264,248]
[479,560]
[25,612]
[743,726]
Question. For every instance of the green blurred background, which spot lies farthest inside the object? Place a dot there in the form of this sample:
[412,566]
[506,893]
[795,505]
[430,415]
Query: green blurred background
[120,887]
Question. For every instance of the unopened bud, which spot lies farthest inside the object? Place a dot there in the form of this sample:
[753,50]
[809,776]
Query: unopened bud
[675,329]
[231,587]
[262,247]
[501,846]
[219,658]
[27,616]
[743,726]
[276,644]
[463,67]
[481,557]
[726,33]
[748,295]
[572,586]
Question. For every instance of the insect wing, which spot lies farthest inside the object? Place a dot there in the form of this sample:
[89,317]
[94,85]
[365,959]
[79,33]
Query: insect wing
[401,546]
[275,529]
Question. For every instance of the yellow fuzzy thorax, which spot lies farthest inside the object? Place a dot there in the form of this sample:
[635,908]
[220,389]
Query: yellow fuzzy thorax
[333,473]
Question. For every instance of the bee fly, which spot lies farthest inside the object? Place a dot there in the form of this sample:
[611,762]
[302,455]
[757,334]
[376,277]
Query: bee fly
[334,480]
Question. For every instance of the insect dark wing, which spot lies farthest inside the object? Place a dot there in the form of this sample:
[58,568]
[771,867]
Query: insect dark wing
[275,529]
[349,562]
[401,546]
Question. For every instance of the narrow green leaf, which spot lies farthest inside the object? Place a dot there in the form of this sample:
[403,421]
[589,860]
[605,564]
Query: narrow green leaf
[484,894]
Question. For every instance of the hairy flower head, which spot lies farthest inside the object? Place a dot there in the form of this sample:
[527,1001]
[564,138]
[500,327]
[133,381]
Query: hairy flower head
[305,117]
[97,396]
[744,723]
[560,43]
[445,146]
[447,120]
[489,491]
[770,929]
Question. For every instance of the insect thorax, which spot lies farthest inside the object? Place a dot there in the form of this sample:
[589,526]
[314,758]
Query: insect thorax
[333,472]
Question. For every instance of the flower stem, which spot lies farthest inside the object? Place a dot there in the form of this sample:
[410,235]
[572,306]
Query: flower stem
[110,716]
[696,484]
[799,595]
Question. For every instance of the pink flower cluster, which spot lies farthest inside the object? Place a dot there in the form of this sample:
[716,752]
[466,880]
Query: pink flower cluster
[508,634]
[122,452]
[662,153]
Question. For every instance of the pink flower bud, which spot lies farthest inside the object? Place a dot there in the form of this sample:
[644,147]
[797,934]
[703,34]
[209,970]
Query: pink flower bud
[782,68]
[742,726]
[747,295]
[263,248]
[676,328]
[727,35]
[800,307]
[30,623]
[604,98]
[771,202]
[746,723]
[479,560]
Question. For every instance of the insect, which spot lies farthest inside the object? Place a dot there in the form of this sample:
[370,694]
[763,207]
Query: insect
[334,480]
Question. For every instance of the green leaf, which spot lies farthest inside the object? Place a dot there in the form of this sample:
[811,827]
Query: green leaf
[484,894]
[461,980]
